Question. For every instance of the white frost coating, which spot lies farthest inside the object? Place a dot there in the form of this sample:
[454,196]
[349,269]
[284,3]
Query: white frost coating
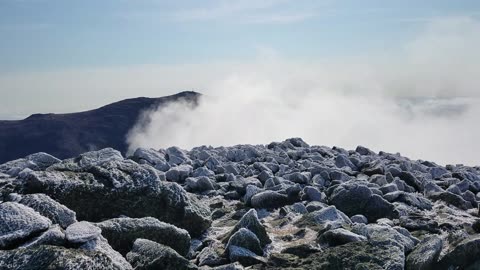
[18,222]
[82,232]
[38,161]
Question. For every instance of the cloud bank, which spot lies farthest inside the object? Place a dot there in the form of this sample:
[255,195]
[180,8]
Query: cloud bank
[421,100]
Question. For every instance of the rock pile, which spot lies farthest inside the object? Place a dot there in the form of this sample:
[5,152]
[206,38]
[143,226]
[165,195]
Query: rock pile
[281,205]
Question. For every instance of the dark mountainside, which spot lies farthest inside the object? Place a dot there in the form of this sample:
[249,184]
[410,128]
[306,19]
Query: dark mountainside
[68,135]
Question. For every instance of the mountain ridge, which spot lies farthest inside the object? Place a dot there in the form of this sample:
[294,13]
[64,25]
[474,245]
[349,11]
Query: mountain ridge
[69,134]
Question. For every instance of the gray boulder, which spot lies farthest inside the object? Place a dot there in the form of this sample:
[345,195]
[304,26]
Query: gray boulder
[150,255]
[47,207]
[251,222]
[19,222]
[339,236]
[425,254]
[179,173]
[121,233]
[246,239]
[269,199]
[82,232]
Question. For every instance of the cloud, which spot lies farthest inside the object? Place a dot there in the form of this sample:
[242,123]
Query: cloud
[421,100]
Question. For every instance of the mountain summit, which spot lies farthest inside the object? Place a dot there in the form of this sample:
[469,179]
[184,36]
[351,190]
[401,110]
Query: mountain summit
[68,135]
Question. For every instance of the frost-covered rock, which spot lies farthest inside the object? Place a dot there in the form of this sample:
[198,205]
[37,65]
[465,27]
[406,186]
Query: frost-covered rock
[19,222]
[122,232]
[82,232]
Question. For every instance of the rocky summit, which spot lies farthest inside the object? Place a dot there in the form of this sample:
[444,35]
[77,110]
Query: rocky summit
[285,205]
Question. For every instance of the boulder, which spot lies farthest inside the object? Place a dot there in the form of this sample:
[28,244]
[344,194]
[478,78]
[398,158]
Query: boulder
[121,233]
[244,256]
[82,232]
[52,257]
[18,223]
[339,236]
[246,239]
[251,222]
[47,207]
[146,255]
[179,173]
[269,199]
[425,254]
[54,236]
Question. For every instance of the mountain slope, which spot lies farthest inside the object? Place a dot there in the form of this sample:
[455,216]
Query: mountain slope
[67,135]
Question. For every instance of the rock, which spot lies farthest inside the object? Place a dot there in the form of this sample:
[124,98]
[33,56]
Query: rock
[246,239]
[353,199]
[324,219]
[452,199]
[139,194]
[463,254]
[200,184]
[269,199]
[121,233]
[209,256]
[425,254]
[244,256]
[54,236]
[300,178]
[47,207]
[147,254]
[100,244]
[35,162]
[82,232]
[359,219]
[355,255]
[241,183]
[232,266]
[250,192]
[313,194]
[179,173]
[384,234]
[250,221]
[339,236]
[153,157]
[19,222]
[52,257]
[176,156]
[342,161]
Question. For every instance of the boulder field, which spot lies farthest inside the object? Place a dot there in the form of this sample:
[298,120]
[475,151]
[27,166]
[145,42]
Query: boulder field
[285,205]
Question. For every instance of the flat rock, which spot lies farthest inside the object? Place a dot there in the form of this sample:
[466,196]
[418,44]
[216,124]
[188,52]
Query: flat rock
[19,222]
[82,232]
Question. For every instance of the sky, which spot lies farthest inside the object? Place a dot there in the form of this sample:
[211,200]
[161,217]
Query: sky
[404,71]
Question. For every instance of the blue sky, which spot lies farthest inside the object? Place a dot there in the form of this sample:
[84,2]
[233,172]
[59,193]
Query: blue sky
[39,35]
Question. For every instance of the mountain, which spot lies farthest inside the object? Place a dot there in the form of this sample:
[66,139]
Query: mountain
[68,135]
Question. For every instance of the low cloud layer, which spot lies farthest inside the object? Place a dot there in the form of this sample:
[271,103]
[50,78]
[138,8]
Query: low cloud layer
[421,99]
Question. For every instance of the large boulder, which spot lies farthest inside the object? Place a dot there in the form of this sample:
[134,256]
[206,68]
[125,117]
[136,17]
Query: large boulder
[462,254]
[35,162]
[246,239]
[46,206]
[19,222]
[52,257]
[269,199]
[339,236]
[251,222]
[121,233]
[119,187]
[425,254]
[354,199]
[149,255]
[82,232]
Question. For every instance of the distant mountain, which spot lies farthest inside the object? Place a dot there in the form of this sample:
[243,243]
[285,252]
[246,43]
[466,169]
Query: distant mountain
[68,135]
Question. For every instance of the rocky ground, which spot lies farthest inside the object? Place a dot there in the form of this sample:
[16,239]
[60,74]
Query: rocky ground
[284,205]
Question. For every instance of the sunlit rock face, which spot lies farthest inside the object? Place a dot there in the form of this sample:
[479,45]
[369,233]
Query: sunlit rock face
[281,205]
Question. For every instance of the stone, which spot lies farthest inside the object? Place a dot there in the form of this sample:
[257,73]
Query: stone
[269,199]
[47,207]
[34,162]
[146,254]
[339,236]
[251,222]
[138,194]
[359,219]
[244,256]
[353,199]
[53,257]
[244,238]
[425,254]
[121,233]
[463,254]
[179,173]
[100,244]
[176,156]
[54,236]
[82,232]
[18,223]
